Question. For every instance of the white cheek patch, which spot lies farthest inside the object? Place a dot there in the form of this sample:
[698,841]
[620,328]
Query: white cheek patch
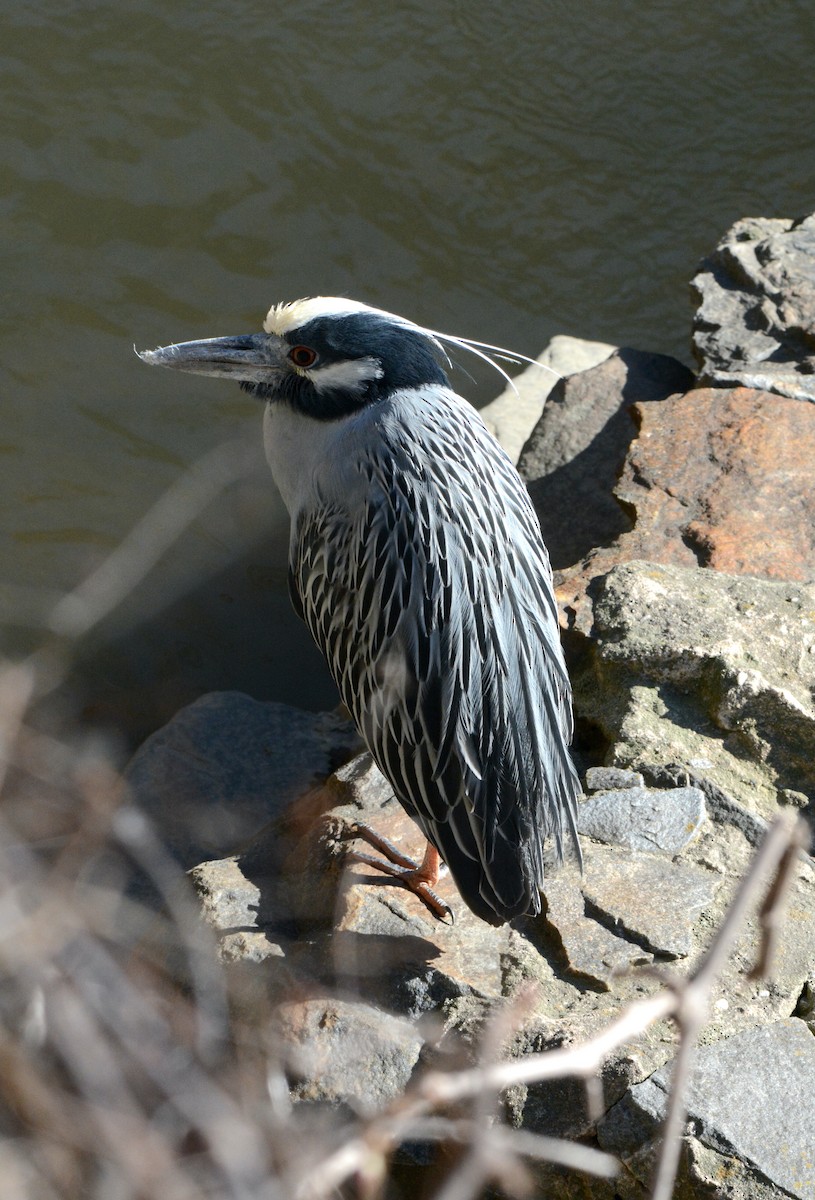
[350,376]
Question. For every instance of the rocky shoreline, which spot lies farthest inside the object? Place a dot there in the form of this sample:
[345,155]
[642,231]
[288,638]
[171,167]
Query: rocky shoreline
[679,512]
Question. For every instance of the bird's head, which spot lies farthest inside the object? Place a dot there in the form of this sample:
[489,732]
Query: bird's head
[326,357]
[329,357]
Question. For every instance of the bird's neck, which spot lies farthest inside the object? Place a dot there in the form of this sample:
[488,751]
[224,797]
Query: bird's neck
[306,456]
[318,461]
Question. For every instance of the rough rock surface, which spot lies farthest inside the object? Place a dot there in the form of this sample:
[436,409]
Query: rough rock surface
[576,450]
[750,1098]
[609,779]
[715,478]
[696,666]
[652,901]
[226,764]
[645,819]
[737,491]
[755,324]
[297,877]
[344,1051]
[513,415]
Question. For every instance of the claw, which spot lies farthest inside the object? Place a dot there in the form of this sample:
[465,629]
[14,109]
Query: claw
[419,878]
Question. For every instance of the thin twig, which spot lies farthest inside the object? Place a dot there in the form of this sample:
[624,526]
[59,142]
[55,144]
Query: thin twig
[771,913]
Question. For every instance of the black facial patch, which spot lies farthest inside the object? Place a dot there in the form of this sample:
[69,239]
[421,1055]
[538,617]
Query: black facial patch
[406,357]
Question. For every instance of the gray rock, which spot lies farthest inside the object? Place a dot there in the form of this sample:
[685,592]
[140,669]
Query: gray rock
[793,798]
[342,1051]
[644,818]
[513,415]
[687,664]
[590,950]
[358,928]
[228,899]
[623,909]
[720,806]
[412,963]
[576,451]
[226,764]
[231,906]
[751,1096]
[710,1173]
[603,779]
[755,324]
[648,899]
[805,1008]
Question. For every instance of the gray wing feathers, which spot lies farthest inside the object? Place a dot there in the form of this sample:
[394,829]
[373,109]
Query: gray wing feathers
[433,604]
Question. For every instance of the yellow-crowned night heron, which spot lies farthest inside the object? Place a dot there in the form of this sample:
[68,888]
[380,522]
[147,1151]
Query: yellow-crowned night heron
[417,562]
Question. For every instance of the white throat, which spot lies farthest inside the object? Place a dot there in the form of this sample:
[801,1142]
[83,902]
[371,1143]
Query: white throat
[305,456]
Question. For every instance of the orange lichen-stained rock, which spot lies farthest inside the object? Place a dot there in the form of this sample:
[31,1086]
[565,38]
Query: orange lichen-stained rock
[722,478]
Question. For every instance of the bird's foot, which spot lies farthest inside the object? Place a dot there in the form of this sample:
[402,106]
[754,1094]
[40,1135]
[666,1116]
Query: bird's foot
[419,878]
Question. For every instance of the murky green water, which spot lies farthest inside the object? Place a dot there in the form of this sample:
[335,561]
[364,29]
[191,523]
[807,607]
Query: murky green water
[170,169]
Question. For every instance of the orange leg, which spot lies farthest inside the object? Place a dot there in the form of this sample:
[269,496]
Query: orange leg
[419,879]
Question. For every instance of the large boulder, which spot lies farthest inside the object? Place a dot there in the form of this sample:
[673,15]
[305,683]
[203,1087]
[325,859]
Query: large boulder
[751,1108]
[712,671]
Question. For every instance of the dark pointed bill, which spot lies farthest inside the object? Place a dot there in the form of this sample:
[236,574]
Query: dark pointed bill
[252,357]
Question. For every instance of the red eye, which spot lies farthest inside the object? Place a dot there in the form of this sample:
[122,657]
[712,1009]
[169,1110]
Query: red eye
[303,356]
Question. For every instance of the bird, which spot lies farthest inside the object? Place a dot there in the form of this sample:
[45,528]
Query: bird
[417,562]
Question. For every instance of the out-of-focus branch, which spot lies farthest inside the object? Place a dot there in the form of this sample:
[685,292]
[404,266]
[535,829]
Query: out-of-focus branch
[16,689]
[83,608]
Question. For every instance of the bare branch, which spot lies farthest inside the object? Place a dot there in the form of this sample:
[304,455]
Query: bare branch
[771,912]
[557,1150]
